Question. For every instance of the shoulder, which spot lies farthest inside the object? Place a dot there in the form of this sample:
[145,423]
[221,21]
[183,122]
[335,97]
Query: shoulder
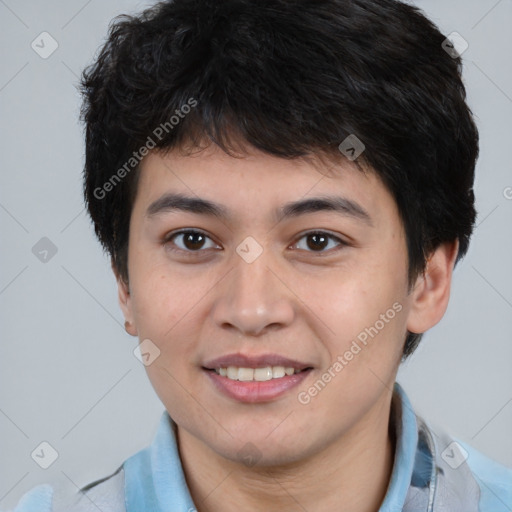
[38,499]
[106,494]
[494,479]
[465,472]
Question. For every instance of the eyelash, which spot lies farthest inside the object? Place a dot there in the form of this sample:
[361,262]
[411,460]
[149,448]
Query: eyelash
[169,239]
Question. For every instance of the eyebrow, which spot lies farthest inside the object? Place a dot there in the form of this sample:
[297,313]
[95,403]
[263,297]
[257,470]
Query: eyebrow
[178,202]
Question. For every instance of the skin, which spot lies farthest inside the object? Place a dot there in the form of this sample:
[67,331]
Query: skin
[296,299]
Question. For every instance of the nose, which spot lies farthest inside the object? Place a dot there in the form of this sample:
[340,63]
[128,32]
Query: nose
[253,298]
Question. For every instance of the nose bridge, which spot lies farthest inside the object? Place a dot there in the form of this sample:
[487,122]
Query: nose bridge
[253,298]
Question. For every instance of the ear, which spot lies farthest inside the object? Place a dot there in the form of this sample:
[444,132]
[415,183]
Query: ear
[431,291]
[125,301]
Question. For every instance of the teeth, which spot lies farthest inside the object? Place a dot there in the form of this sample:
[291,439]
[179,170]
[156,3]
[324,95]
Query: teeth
[279,371]
[257,374]
[245,374]
[232,373]
[262,374]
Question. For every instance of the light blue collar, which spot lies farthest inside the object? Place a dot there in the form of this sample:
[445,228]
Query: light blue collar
[154,478]
[406,434]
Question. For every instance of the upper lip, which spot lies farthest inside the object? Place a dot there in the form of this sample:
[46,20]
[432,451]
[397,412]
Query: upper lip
[255,361]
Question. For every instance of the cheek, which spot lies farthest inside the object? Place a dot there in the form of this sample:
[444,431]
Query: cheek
[349,303]
[366,320]
[166,304]
[164,313]
[160,297]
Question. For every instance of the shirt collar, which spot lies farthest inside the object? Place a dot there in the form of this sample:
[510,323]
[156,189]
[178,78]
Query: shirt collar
[403,420]
[154,478]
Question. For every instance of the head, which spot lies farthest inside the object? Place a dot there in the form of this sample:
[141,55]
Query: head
[249,105]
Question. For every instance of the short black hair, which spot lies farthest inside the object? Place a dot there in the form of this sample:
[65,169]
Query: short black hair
[291,78]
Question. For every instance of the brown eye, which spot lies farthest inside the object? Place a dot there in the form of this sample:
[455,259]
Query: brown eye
[189,241]
[317,241]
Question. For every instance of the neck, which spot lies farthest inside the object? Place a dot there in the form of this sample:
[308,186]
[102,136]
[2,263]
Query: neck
[351,475]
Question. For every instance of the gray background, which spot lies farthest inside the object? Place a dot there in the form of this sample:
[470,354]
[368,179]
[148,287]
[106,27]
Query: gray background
[68,375]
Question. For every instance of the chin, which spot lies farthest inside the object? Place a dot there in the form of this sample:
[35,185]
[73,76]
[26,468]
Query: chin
[259,451]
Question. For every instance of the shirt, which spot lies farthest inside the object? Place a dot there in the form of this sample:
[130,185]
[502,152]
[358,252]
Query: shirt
[432,472]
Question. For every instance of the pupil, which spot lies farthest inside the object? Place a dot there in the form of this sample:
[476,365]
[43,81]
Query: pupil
[317,238]
[191,244]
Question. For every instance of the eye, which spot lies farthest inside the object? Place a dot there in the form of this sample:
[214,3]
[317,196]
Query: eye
[191,240]
[194,241]
[317,241]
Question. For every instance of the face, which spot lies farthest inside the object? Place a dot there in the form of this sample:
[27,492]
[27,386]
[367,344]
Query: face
[265,279]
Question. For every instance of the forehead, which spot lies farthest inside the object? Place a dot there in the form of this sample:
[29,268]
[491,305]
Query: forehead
[224,186]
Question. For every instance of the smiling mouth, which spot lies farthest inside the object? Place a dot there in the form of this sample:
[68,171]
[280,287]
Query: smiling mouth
[262,374]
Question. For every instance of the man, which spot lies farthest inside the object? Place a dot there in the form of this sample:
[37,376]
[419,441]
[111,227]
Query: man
[284,188]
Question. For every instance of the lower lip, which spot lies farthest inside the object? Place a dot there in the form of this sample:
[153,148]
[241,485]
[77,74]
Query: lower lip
[254,391]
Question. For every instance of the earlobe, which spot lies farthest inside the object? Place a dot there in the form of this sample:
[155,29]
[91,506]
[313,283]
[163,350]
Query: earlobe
[431,292]
[124,298]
